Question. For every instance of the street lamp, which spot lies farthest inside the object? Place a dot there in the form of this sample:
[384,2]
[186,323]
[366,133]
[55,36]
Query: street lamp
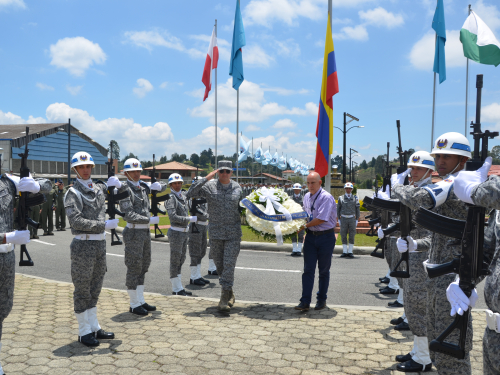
[344,167]
[353,174]
[351,150]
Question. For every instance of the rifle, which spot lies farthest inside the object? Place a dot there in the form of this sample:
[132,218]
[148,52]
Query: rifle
[113,198]
[470,265]
[374,217]
[25,202]
[388,172]
[155,201]
[195,202]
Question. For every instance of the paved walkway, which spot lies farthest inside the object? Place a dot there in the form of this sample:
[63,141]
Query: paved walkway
[189,336]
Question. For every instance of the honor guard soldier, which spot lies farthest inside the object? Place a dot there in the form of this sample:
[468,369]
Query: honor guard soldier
[48,208]
[10,186]
[86,211]
[348,214]
[198,238]
[136,234]
[223,198]
[60,211]
[178,213]
[298,196]
[450,152]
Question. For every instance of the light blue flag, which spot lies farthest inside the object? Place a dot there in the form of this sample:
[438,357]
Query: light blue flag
[440,28]
[291,163]
[282,163]
[258,155]
[274,160]
[267,158]
[244,150]
[236,63]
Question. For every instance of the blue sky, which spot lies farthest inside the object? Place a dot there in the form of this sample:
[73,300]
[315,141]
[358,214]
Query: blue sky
[131,71]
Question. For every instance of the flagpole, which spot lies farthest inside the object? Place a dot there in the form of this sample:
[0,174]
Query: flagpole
[237,130]
[328,181]
[215,166]
[251,164]
[261,161]
[466,88]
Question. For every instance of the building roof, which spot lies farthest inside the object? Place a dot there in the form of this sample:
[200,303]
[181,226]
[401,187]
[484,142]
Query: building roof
[288,171]
[173,166]
[271,176]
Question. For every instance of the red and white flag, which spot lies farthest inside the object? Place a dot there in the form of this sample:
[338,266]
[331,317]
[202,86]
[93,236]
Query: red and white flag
[210,63]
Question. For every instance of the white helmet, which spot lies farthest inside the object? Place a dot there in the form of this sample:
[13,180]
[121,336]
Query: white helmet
[348,185]
[175,177]
[452,143]
[297,186]
[196,178]
[132,165]
[81,158]
[422,159]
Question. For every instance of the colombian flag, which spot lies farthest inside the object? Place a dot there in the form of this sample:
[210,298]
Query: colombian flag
[329,87]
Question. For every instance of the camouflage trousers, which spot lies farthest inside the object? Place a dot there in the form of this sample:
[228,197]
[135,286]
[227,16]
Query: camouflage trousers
[225,254]
[7,276]
[347,226]
[60,217]
[137,256]
[415,294]
[388,253]
[300,235]
[197,244]
[88,266]
[438,319]
[178,248]
[491,347]
[47,220]
[35,216]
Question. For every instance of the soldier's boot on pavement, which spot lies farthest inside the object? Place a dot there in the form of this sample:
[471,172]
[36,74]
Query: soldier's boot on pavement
[198,270]
[99,333]
[140,298]
[349,252]
[135,306]
[194,279]
[421,360]
[344,251]
[212,270]
[232,299]
[224,301]
[85,334]
[299,248]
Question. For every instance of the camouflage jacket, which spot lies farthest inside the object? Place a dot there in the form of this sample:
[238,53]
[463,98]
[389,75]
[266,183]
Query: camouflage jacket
[348,206]
[136,205]
[178,210]
[60,196]
[225,222]
[297,199]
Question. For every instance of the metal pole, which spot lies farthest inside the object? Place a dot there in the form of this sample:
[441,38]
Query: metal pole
[434,103]
[251,163]
[215,166]
[69,150]
[328,177]
[261,161]
[237,129]
[466,89]
[344,166]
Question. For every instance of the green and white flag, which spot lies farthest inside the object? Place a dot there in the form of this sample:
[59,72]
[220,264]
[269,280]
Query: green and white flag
[479,42]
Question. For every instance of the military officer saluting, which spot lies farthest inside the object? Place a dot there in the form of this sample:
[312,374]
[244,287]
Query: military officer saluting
[85,209]
[348,214]
[136,234]
[298,196]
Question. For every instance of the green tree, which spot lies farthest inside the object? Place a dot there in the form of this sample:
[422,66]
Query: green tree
[495,154]
[163,159]
[129,156]
[195,158]
[182,157]
[176,157]
[363,165]
[116,150]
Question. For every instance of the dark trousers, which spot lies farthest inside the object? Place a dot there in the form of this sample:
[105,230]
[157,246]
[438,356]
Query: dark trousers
[317,250]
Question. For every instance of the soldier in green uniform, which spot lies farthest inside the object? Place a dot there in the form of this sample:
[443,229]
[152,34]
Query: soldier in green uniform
[47,217]
[60,211]
[35,216]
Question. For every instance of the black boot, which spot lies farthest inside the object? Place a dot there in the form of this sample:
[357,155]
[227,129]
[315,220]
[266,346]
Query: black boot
[101,334]
[402,327]
[183,292]
[403,358]
[139,310]
[205,280]
[196,282]
[412,366]
[148,307]
[213,273]
[88,340]
[395,322]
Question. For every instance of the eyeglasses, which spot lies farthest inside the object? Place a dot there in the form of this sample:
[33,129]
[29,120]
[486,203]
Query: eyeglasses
[224,171]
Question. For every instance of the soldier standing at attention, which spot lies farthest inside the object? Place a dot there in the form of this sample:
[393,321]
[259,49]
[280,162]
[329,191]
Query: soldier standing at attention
[223,198]
[136,234]
[10,186]
[178,213]
[298,196]
[60,211]
[348,214]
[35,216]
[48,208]
[85,208]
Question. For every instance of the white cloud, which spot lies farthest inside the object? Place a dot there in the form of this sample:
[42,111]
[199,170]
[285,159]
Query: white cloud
[488,13]
[356,33]
[286,92]
[253,106]
[73,90]
[381,17]
[144,87]
[285,123]
[287,48]
[422,53]
[252,128]
[491,113]
[76,55]
[43,86]
[256,56]
[312,108]
[9,118]
[163,85]
[12,3]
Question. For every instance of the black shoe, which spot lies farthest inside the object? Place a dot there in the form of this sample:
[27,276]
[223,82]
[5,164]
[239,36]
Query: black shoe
[103,335]
[205,280]
[50,233]
[88,340]
[394,304]
[388,290]
[148,307]
[343,255]
[63,230]
[320,305]
[402,327]
[384,280]
[59,229]
[183,292]
[350,255]
[395,322]
[196,282]
[296,254]
[139,310]
[45,234]
[403,358]
[214,273]
[35,237]
[302,306]
[412,366]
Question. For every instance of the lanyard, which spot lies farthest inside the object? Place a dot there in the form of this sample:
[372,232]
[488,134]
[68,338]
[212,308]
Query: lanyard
[312,206]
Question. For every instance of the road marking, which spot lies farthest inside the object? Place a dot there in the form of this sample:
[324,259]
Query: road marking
[116,255]
[108,232]
[45,243]
[265,269]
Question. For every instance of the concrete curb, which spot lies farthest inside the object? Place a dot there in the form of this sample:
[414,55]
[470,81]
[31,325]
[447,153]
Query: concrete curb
[268,246]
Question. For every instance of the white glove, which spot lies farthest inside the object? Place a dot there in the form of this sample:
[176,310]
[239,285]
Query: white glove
[466,181]
[403,246]
[154,220]
[385,196]
[399,178]
[111,223]
[29,185]
[18,237]
[155,186]
[458,300]
[114,181]
[193,219]
[380,232]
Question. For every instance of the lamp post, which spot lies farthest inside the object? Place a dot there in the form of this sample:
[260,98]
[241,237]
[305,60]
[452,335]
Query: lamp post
[351,150]
[353,175]
[344,166]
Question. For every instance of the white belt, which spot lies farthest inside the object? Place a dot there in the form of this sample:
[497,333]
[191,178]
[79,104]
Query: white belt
[185,230]
[347,216]
[91,237]
[205,223]
[137,226]
[493,321]
[7,248]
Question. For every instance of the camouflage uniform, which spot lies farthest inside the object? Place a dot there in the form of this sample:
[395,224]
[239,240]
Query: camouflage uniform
[224,225]
[198,241]
[35,216]
[47,216]
[442,250]
[60,211]
[348,206]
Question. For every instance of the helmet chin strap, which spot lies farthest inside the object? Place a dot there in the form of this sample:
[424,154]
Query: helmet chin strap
[78,174]
[423,179]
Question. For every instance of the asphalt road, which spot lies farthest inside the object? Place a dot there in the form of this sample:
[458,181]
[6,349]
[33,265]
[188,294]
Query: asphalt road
[260,275]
